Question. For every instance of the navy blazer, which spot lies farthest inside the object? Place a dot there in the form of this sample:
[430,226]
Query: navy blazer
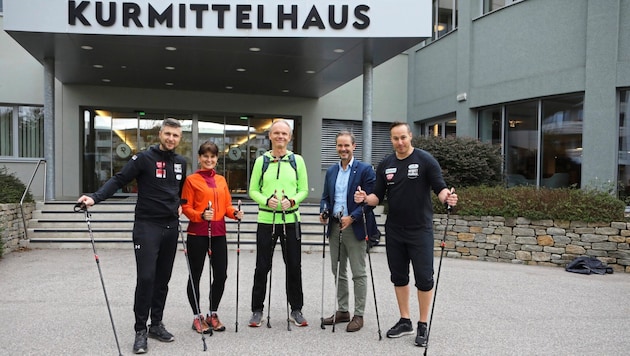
[361,174]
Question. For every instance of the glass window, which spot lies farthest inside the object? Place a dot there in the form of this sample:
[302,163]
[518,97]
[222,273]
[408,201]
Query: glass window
[550,156]
[521,156]
[490,125]
[6,131]
[624,145]
[31,131]
[444,17]
[561,141]
[491,5]
[22,131]
[444,126]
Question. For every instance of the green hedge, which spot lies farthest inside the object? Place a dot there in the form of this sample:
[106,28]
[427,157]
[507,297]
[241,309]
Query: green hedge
[588,205]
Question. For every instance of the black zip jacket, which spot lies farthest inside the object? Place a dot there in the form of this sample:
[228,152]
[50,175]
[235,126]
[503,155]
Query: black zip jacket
[160,176]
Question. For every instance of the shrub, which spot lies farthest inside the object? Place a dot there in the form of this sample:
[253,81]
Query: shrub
[11,188]
[588,205]
[465,161]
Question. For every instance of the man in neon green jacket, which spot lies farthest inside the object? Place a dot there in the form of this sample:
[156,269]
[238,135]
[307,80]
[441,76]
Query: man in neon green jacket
[278,183]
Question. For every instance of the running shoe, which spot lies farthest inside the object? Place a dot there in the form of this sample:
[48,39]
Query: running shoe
[140,344]
[256,319]
[298,318]
[402,327]
[214,321]
[158,331]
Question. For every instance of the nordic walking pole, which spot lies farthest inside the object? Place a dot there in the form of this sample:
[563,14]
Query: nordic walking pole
[210,263]
[273,246]
[437,279]
[367,242]
[238,254]
[283,243]
[81,207]
[339,216]
[324,217]
[192,285]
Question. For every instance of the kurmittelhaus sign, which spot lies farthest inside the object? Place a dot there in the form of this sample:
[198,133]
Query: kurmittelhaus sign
[228,18]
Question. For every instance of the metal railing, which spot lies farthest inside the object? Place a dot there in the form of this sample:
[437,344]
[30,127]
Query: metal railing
[28,187]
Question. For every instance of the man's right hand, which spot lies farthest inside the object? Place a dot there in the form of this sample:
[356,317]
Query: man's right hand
[86,200]
[360,196]
[273,202]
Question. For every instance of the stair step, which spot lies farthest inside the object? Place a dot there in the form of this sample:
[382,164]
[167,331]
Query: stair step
[56,225]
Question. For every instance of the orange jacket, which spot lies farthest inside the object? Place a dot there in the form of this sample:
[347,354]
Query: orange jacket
[196,194]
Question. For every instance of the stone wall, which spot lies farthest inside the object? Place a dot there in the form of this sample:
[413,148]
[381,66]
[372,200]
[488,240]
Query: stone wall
[11,228]
[541,242]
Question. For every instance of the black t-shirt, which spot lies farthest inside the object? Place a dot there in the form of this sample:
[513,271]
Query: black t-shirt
[408,184]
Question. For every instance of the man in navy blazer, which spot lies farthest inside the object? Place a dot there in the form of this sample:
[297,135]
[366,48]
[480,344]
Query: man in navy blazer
[348,244]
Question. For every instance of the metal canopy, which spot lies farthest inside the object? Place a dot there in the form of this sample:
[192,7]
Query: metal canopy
[295,67]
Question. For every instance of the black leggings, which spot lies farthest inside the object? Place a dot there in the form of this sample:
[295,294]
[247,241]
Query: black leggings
[197,247]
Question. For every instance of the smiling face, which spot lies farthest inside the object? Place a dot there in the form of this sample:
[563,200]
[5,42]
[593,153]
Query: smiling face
[169,137]
[280,135]
[208,155]
[208,160]
[345,148]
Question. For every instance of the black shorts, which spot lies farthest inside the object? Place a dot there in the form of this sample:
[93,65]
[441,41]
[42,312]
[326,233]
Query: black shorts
[415,245]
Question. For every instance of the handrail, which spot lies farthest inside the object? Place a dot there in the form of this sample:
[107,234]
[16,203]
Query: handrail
[28,186]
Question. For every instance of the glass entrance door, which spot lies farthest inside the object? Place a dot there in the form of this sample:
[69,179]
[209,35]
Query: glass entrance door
[111,138]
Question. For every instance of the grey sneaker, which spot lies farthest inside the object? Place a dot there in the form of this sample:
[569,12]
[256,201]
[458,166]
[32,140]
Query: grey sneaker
[158,331]
[140,344]
[421,336]
[298,318]
[256,319]
[402,327]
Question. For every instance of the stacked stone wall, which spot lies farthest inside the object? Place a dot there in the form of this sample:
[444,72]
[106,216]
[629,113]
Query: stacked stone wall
[533,242]
[11,227]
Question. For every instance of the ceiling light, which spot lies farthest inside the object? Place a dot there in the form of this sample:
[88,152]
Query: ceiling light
[87,48]
[254,49]
[170,48]
[240,69]
[286,71]
[228,87]
[123,67]
[169,84]
[339,50]
[310,72]
[105,80]
[169,68]
[99,66]
[285,90]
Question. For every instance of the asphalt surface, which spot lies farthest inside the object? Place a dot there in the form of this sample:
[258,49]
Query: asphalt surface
[52,303]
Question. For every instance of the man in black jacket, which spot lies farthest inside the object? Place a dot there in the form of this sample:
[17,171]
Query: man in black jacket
[160,174]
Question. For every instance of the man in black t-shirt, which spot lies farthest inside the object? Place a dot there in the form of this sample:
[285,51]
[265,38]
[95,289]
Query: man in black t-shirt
[407,177]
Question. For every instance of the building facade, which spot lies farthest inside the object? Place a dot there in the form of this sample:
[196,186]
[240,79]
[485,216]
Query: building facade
[547,80]
[99,124]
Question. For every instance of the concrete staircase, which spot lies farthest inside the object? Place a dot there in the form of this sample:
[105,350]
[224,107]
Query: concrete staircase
[56,225]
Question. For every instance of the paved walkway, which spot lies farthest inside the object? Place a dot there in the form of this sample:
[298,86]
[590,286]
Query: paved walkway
[51,303]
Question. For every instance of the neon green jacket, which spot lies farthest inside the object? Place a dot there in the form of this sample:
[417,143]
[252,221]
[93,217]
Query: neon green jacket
[280,178]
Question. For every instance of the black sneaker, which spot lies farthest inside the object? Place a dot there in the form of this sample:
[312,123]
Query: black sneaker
[256,319]
[402,327]
[140,344]
[158,331]
[421,336]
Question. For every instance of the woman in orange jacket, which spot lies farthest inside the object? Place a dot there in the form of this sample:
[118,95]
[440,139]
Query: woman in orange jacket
[207,201]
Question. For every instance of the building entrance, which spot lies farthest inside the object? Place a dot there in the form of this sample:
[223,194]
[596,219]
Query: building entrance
[112,137]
